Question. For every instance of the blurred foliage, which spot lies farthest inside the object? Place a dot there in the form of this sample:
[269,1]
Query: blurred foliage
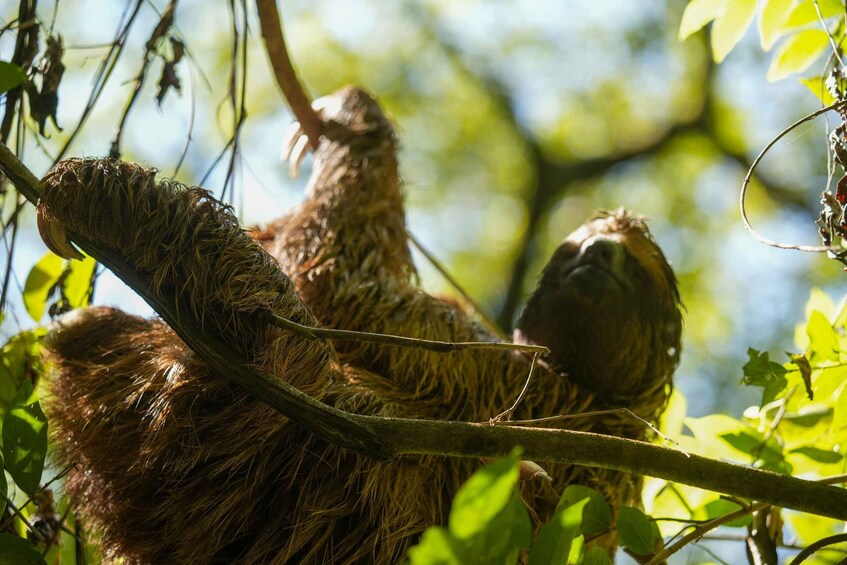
[517,121]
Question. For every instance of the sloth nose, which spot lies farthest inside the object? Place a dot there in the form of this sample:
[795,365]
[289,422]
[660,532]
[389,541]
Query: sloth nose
[603,251]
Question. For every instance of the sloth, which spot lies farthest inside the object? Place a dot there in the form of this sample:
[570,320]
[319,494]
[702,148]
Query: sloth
[174,462]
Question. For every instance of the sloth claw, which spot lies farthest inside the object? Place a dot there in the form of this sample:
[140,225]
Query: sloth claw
[52,232]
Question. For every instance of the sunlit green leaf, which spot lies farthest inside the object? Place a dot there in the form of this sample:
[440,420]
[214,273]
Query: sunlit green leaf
[18,551]
[823,339]
[672,420]
[817,87]
[43,275]
[554,541]
[761,371]
[798,53]
[20,359]
[698,13]
[505,535]
[819,455]
[78,282]
[730,27]
[597,514]
[635,531]
[772,19]
[720,508]
[839,420]
[11,75]
[723,437]
[437,547]
[25,439]
[809,416]
[596,556]
[483,496]
[810,528]
[805,12]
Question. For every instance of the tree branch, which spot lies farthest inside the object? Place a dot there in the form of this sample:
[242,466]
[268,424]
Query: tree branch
[386,437]
[284,72]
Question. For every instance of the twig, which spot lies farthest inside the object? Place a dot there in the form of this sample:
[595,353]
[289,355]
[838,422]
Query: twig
[165,23]
[310,332]
[627,411]
[237,98]
[819,544]
[107,66]
[700,531]
[745,184]
[286,76]
[832,43]
[489,322]
[505,416]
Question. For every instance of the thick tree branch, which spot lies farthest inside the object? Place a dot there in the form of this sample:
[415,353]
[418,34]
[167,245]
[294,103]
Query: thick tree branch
[387,437]
[284,72]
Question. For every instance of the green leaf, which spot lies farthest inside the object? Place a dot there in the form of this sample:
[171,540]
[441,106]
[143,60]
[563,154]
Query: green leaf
[596,556]
[437,547]
[25,439]
[4,488]
[507,533]
[11,75]
[41,278]
[817,87]
[761,371]
[805,13]
[772,21]
[839,419]
[18,551]
[730,27]
[483,496]
[823,339]
[798,53]
[78,282]
[597,515]
[697,14]
[20,358]
[809,416]
[554,541]
[827,456]
[636,530]
[721,507]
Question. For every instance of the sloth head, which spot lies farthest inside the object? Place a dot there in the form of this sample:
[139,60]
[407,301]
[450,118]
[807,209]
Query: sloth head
[608,308]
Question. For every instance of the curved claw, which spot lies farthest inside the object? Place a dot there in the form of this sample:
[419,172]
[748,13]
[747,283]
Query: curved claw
[296,142]
[53,233]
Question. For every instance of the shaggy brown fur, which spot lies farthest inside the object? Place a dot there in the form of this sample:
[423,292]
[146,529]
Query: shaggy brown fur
[176,464]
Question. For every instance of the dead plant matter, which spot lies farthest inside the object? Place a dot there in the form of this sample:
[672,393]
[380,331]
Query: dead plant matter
[176,464]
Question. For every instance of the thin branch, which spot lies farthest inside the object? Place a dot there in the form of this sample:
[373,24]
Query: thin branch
[489,322]
[286,76]
[165,23]
[840,105]
[820,544]
[104,72]
[507,415]
[701,530]
[311,332]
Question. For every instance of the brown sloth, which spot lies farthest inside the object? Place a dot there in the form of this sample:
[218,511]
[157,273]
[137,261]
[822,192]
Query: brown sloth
[174,463]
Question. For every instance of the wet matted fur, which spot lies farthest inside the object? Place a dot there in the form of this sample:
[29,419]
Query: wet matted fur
[177,464]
